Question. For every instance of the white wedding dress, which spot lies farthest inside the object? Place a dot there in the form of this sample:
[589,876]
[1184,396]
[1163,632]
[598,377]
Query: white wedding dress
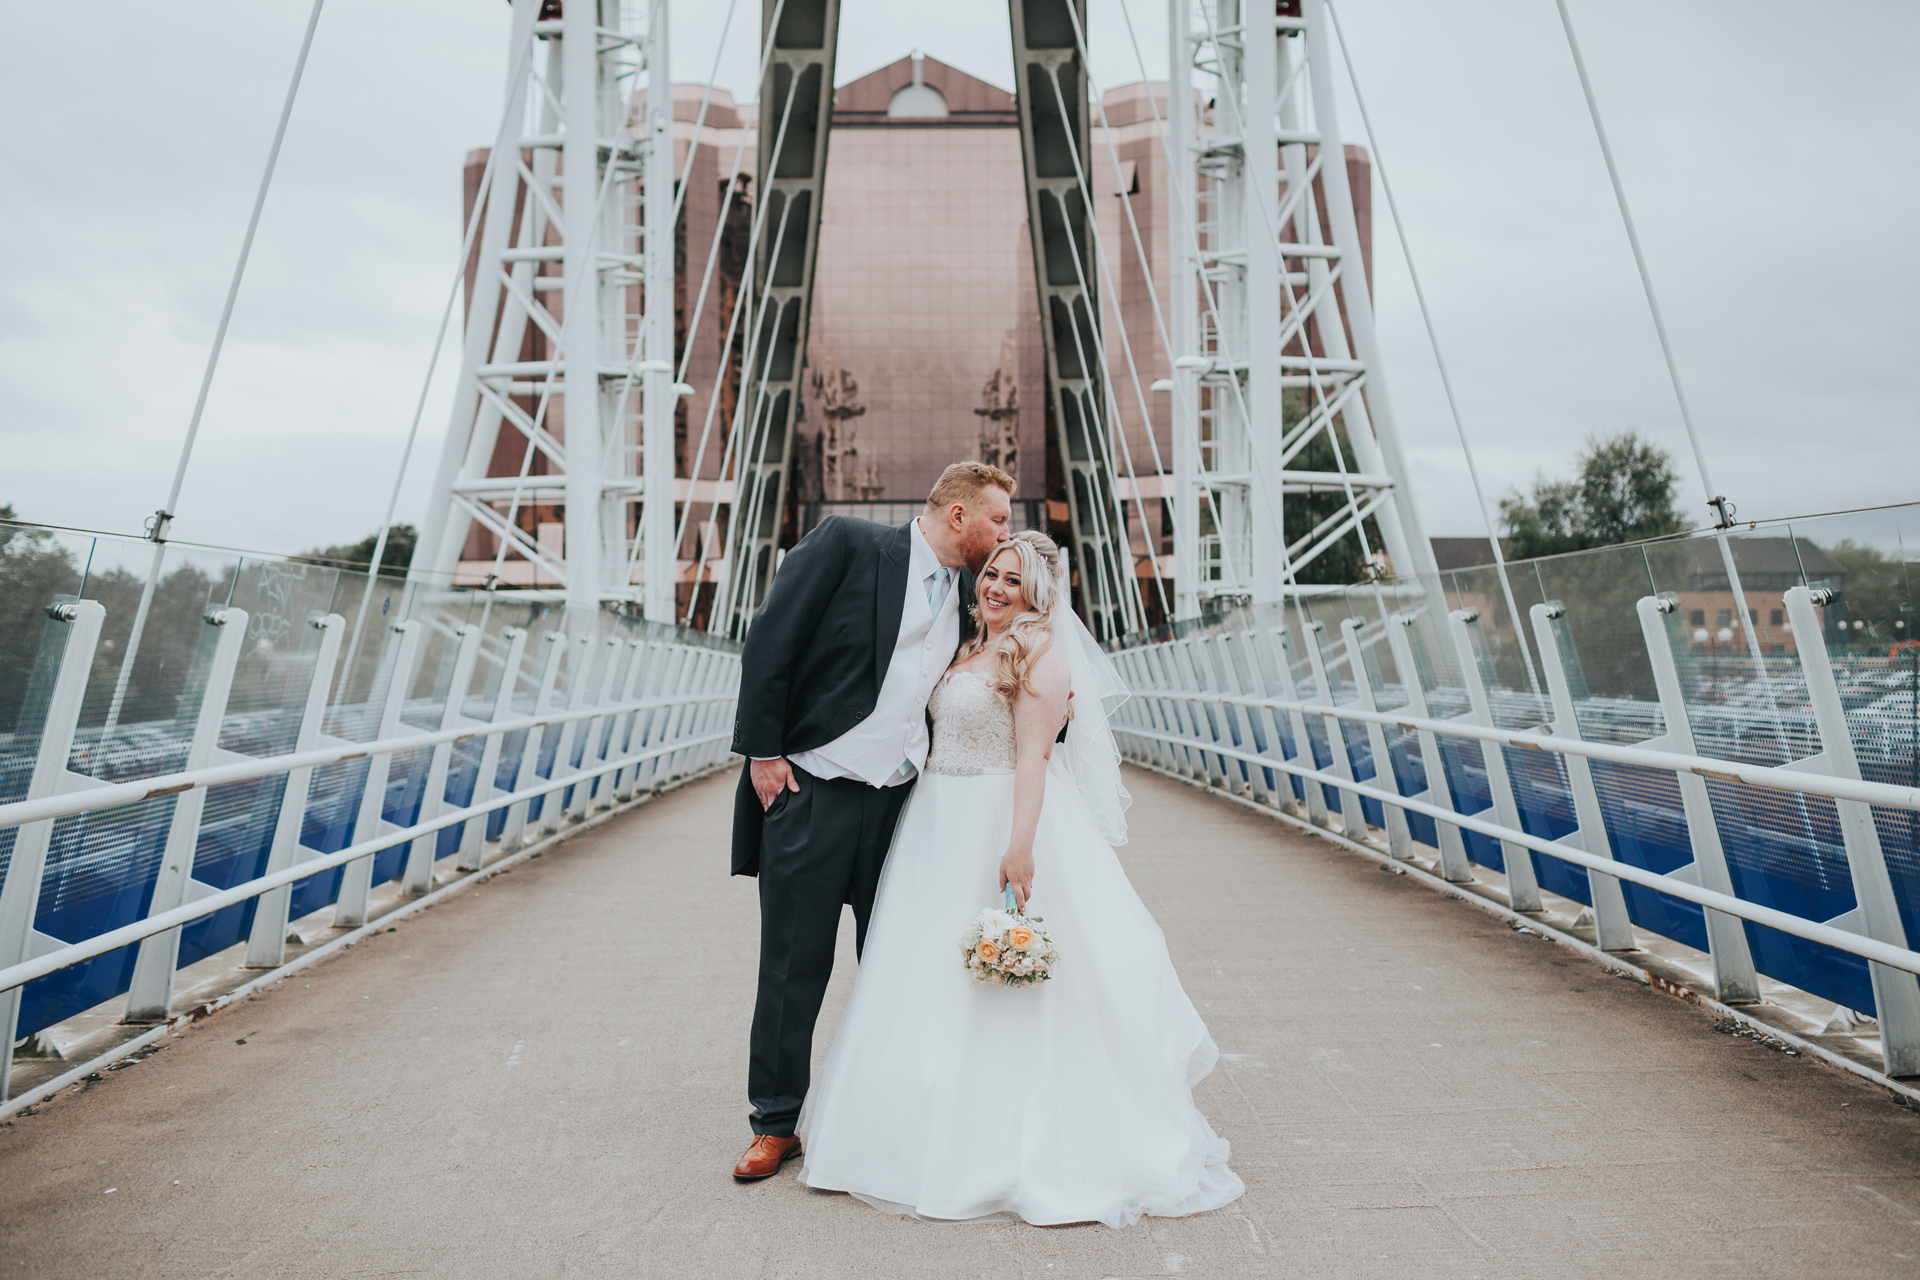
[959,1101]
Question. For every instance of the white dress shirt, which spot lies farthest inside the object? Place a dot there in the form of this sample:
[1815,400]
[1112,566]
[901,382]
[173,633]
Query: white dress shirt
[889,746]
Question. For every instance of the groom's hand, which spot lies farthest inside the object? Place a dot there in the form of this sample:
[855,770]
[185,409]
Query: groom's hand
[770,777]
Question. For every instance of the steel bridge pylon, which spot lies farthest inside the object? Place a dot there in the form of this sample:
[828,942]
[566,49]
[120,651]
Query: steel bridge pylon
[566,392]
[1271,315]
[553,467]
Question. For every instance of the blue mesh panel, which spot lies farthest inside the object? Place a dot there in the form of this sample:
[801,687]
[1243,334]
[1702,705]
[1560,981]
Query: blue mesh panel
[1360,756]
[236,835]
[100,875]
[1540,792]
[1322,756]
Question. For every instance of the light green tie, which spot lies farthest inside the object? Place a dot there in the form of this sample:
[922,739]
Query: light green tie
[936,595]
[936,590]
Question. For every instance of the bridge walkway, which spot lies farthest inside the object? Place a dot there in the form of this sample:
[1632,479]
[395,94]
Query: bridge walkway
[543,1076]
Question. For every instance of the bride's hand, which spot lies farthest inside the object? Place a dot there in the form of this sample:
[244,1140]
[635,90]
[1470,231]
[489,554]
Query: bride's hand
[1016,869]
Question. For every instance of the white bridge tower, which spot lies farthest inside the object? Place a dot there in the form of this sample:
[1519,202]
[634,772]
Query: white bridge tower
[557,469]
[1270,297]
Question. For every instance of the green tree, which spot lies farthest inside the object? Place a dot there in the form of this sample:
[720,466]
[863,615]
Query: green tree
[1344,562]
[1879,591]
[398,555]
[1624,492]
[34,568]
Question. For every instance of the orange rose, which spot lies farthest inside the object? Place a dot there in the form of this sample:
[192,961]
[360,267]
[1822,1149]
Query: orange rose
[986,950]
[1021,936]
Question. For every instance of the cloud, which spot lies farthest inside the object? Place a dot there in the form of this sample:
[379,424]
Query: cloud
[1763,151]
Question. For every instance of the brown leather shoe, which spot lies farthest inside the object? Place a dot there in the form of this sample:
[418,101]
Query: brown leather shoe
[765,1156]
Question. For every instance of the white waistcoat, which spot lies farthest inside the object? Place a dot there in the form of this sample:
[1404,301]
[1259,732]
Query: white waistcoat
[896,731]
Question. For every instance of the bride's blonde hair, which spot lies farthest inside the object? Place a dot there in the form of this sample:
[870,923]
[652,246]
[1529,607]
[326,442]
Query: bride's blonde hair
[1031,631]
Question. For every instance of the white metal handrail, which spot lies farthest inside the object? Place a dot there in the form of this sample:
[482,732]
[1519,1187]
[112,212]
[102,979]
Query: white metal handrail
[634,710]
[54,961]
[1226,701]
[118,794]
[1866,948]
[1717,768]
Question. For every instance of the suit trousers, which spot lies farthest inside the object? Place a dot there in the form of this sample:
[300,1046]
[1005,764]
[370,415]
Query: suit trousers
[820,847]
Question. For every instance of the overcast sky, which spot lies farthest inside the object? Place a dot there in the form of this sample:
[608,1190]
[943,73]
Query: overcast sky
[1767,148]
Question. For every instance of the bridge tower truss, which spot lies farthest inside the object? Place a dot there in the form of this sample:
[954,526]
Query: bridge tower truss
[1271,315]
[795,114]
[1051,90]
[553,474]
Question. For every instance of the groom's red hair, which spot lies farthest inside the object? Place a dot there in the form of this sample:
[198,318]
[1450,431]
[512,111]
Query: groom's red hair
[964,482]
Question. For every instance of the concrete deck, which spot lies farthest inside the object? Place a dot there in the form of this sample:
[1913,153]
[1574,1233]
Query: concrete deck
[544,1077]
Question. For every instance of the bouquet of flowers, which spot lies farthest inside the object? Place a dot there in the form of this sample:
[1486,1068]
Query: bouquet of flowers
[1003,946]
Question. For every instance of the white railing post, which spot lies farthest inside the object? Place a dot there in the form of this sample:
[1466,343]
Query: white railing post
[267,940]
[356,878]
[1266,658]
[1228,728]
[1734,979]
[1523,889]
[634,690]
[1353,818]
[1454,867]
[1288,665]
[730,706]
[1154,662]
[688,677]
[417,877]
[642,732]
[52,711]
[1206,725]
[582,800]
[612,734]
[473,837]
[1159,710]
[1612,930]
[151,993]
[553,809]
[1896,995]
[660,729]
[703,711]
[1235,648]
[514,833]
[1359,661]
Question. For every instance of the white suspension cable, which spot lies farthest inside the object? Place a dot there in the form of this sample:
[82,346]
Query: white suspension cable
[640,352]
[1117,429]
[1191,235]
[735,443]
[1714,500]
[1433,341]
[1317,383]
[488,175]
[163,518]
[1717,501]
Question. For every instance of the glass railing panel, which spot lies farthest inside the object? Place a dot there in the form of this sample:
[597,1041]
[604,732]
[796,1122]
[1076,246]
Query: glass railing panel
[137,720]
[270,688]
[1872,560]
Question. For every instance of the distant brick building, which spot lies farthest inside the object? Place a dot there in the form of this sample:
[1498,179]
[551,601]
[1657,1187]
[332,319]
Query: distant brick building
[924,343]
[1694,572]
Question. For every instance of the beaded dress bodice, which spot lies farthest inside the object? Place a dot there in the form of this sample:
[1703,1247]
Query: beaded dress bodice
[972,727]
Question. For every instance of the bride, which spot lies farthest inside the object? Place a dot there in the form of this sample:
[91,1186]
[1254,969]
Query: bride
[1066,1101]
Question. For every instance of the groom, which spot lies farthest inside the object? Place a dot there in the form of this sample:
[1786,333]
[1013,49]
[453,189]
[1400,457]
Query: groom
[860,623]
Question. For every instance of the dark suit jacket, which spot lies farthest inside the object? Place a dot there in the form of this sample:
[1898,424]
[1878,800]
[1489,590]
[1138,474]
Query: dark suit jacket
[818,651]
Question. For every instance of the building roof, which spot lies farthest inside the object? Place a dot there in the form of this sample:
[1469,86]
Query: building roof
[1461,553]
[1772,557]
[971,101]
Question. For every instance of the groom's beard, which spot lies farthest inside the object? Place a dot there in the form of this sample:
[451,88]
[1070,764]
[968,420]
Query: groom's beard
[977,558]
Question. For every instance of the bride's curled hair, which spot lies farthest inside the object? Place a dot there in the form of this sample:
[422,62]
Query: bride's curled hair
[1021,645]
